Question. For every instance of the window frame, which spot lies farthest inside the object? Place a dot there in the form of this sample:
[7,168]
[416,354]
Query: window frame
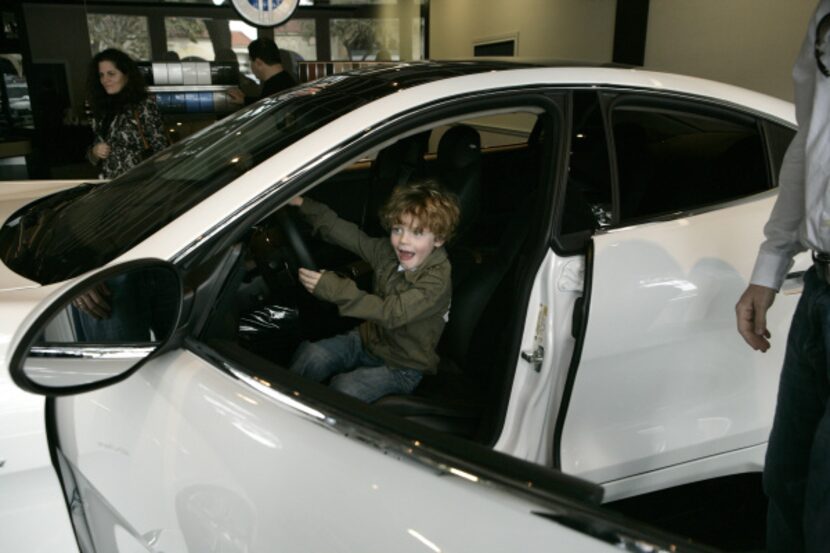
[219,353]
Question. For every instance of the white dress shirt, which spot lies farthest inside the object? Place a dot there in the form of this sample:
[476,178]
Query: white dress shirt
[800,219]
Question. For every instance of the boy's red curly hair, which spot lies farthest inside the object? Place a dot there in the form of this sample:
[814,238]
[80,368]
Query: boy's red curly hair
[434,208]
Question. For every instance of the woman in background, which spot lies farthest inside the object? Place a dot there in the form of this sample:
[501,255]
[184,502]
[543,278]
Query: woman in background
[125,119]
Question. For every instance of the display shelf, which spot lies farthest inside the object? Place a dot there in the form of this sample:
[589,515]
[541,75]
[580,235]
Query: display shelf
[191,88]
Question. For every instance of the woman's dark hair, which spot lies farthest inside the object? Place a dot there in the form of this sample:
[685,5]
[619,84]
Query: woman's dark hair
[134,90]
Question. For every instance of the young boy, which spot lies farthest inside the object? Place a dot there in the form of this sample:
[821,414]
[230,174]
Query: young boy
[403,318]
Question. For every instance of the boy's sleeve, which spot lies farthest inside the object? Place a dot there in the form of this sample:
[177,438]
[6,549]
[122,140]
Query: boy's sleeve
[423,299]
[331,228]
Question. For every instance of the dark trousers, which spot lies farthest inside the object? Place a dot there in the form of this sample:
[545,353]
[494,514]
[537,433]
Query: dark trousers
[797,467]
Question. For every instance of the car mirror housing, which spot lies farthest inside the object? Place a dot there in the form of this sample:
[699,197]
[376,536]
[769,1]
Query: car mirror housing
[101,330]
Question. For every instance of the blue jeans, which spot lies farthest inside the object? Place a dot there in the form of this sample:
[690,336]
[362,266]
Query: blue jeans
[797,467]
[353,370]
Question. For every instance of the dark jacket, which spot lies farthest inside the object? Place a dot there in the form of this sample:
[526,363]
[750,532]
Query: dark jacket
[135,133]
[404,317]
[279,82]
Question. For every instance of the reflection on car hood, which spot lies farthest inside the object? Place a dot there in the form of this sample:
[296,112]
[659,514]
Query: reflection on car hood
[13,196]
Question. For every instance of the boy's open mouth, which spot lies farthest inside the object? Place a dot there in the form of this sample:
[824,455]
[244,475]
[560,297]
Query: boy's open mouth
[405,256]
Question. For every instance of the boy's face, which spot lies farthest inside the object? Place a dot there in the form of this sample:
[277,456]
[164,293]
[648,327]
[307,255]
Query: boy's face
[412,243]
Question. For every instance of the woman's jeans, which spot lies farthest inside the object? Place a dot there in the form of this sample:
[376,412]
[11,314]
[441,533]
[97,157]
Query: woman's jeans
[353,370]
[797,468]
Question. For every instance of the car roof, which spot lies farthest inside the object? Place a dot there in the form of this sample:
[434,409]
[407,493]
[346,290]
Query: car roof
[379,81]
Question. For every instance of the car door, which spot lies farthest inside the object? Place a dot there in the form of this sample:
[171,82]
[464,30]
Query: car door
[666,392]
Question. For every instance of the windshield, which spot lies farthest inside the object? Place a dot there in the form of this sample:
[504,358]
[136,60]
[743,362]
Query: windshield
[71,232]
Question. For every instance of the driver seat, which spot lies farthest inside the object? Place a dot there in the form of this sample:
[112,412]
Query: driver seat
[456,398]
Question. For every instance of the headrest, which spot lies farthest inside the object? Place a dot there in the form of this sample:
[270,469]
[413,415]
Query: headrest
[459,147]
[407,152]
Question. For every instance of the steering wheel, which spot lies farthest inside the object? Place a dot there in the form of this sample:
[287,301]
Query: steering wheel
[286,219]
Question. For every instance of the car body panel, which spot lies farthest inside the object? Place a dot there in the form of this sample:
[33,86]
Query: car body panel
[684,311]
[28,483]
[233,469]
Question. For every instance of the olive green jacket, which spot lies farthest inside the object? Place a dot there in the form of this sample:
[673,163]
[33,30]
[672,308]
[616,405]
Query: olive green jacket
[404,317]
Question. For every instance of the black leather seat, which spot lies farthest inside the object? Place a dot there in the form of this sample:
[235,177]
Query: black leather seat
[459,170]
[455,399]
[396,164]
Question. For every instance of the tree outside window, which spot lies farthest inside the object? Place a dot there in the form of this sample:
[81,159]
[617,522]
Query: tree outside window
[128,33]
[364,39]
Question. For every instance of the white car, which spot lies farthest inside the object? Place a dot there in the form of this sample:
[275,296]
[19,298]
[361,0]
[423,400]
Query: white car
[610,219]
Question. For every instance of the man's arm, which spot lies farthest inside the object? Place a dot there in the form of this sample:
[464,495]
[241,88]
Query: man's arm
[776,252]
[781,231]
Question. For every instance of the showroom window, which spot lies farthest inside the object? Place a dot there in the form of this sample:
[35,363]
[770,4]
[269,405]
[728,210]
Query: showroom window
[126,32]
[670,159]
[298,36]
[363,39]
[189,38]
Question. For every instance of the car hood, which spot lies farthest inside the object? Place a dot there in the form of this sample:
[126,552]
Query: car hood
[13,196]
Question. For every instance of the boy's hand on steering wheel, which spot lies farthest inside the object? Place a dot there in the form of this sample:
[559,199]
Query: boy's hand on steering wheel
[309,279]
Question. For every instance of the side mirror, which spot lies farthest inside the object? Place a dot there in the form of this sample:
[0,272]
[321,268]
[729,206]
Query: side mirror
[100,331]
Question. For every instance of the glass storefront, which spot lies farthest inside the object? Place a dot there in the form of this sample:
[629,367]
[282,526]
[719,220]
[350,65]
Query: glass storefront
[128,33]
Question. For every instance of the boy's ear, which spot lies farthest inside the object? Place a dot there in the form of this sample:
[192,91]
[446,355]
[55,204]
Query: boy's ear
[439,242]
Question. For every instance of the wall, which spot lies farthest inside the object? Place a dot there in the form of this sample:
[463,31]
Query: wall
[751,43]
[548,29]
[58,33]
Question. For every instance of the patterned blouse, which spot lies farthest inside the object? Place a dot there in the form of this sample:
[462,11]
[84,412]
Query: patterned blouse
[134,134]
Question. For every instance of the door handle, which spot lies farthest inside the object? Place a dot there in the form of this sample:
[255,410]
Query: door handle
[535,357]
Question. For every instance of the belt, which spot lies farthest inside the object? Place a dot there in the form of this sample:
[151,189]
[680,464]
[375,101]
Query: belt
[821,261]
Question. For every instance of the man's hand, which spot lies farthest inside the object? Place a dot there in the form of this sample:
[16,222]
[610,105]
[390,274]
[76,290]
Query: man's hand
[309,279]
[751,313]
[95,302]
[236,96]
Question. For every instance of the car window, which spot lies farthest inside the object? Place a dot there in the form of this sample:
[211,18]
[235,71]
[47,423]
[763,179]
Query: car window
[71,232]
[503,193]
[588,200]
[507,129]
[677,157]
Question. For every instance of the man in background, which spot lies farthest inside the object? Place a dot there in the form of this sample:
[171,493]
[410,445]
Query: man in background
[266,65]
[797,466]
